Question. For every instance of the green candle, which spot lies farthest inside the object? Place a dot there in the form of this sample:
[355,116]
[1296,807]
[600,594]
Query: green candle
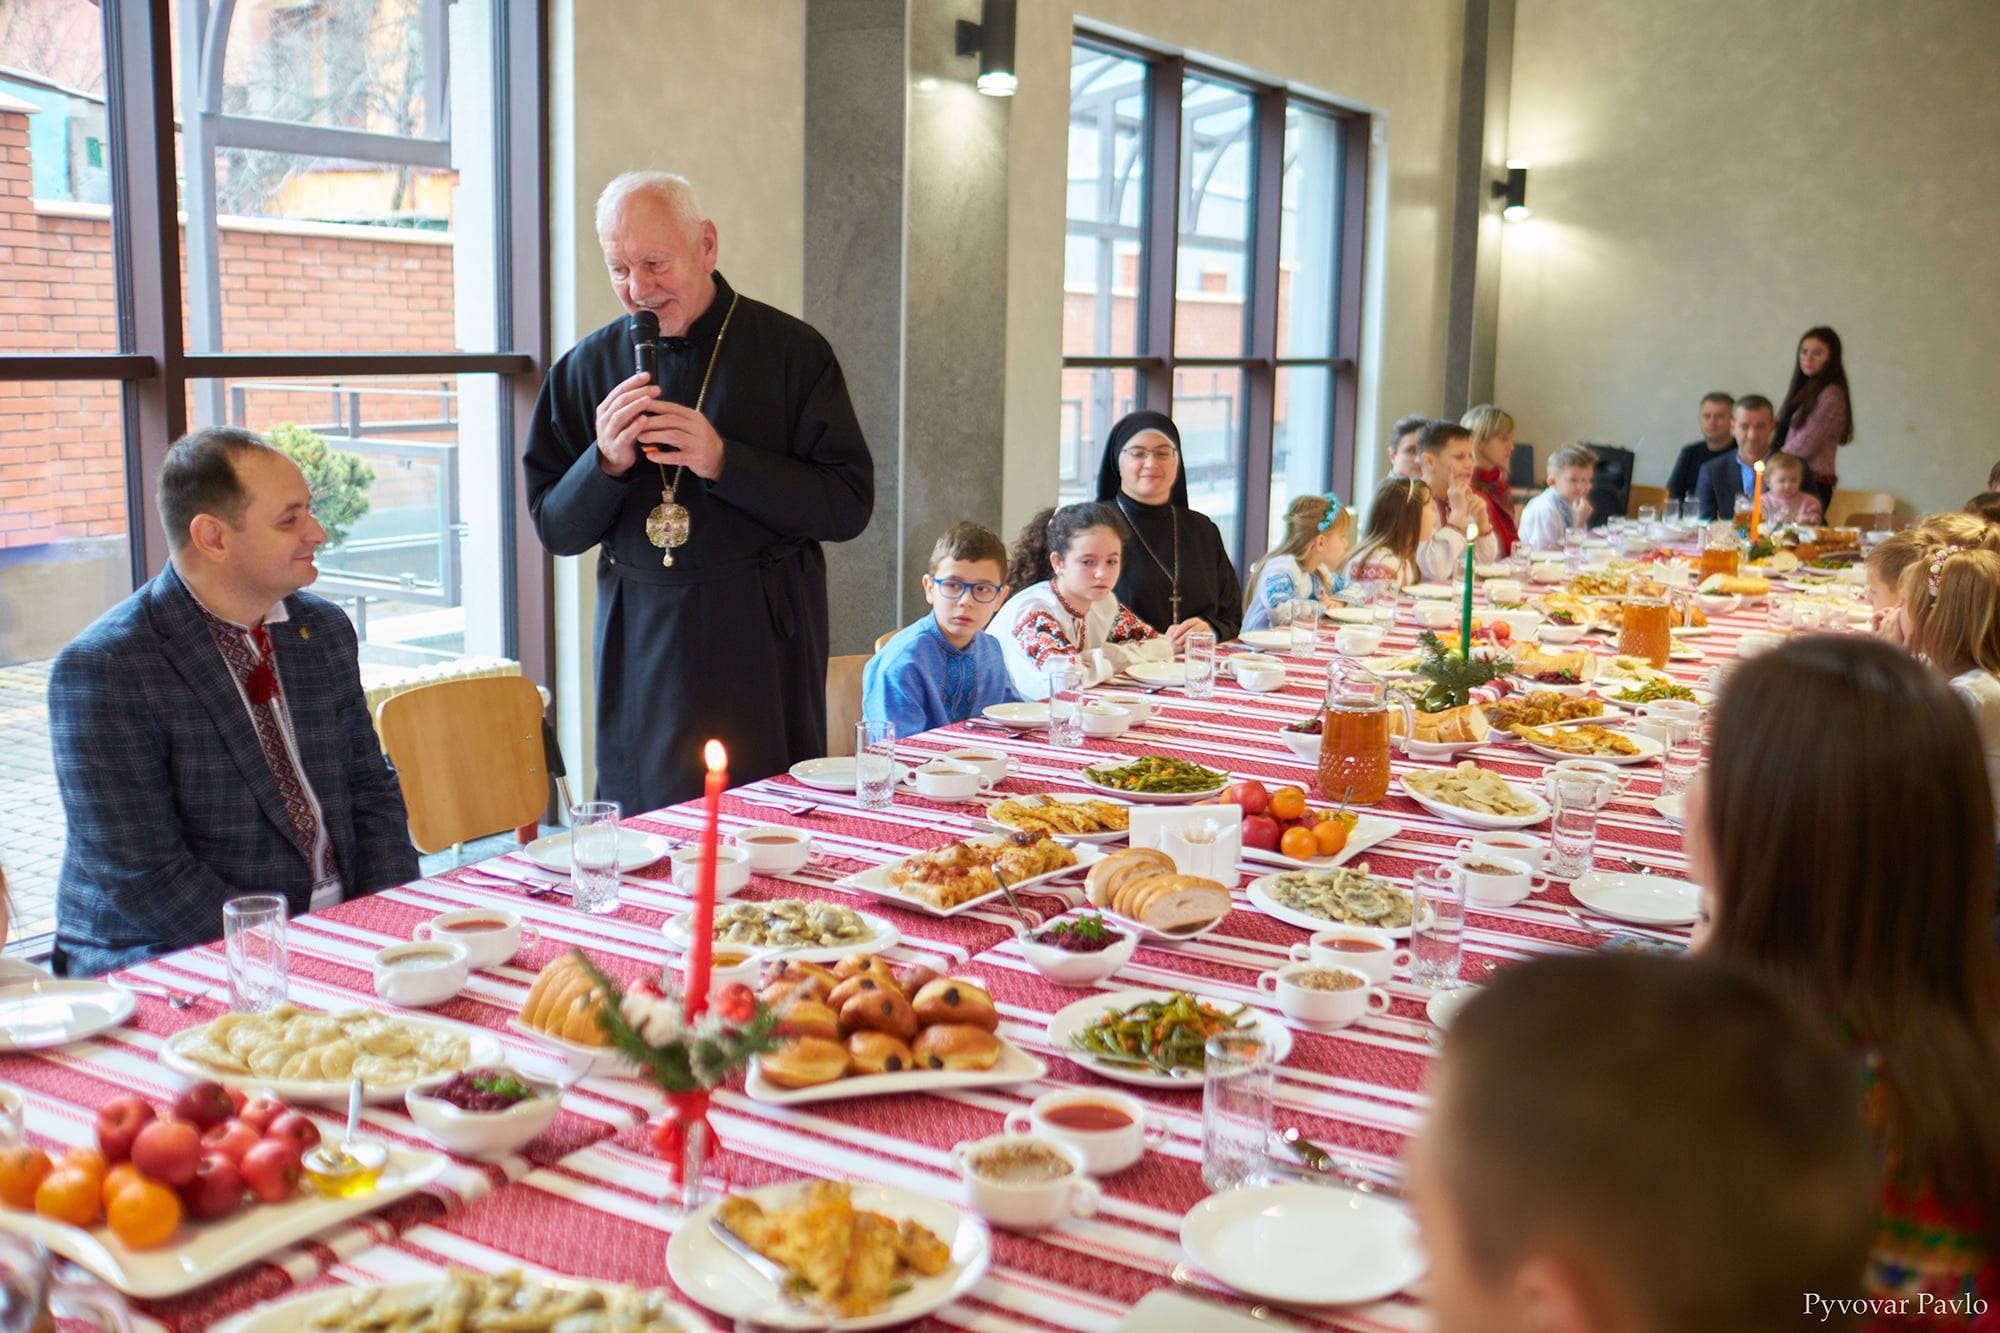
[1465,630]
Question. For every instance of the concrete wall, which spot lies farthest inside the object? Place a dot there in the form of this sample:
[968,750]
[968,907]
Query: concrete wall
[1397,60]
[1712,178]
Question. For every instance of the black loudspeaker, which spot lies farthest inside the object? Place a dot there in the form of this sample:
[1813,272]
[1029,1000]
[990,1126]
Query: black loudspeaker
[1521,469]
[1611,489]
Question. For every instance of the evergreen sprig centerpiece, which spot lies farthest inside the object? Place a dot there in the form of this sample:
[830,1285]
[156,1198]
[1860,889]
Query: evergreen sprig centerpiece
[648,1027]
[1453,678]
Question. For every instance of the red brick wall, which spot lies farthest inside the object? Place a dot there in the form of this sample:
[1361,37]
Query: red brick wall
[61,450]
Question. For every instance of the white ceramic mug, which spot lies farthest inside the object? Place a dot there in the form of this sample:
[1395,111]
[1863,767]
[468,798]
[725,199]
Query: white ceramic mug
[1262,674]
[1242,662]
[1496,881]
[1503,592]
[1684,715]
[1104,1150]
[944,780]
[1510,844]
[731,962]
[1357,640]
[1138,706]
[1660,729]
[1373,953]
[992,764]
[490,936]
[1031,1205]
[1323,1008]
[1757,641]
[1102,718]
[1611,777]
[774,849]
[399,980]
[732,868]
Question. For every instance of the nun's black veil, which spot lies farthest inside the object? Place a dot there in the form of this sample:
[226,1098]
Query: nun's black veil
[1136,423]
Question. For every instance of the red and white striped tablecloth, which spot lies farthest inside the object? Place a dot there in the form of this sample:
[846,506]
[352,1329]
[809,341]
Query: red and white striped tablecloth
[584,1199]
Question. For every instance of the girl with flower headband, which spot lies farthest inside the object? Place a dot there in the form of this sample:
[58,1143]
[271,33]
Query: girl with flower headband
[1951,619]
[1318,531]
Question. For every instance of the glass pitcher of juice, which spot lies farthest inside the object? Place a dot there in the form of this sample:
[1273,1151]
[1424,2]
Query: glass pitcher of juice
[1721,553]
[1646,629]
[1354,738]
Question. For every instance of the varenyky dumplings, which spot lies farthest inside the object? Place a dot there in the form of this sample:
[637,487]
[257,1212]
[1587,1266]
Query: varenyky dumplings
[292,1043]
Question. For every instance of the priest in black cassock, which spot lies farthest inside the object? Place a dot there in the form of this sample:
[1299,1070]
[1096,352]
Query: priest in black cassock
[1177,575]
[707,495]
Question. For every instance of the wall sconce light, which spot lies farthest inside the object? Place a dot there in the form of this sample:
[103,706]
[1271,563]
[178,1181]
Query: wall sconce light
[1513,191]
[992,40]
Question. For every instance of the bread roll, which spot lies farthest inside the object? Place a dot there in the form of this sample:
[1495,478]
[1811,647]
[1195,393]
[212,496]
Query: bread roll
[791,971]
[563,1002]
[1176,904]
[878,1053]
[807,1017]
[803,1062]
[863,965]
[955,1046]
[949,1000]
[1114,870]
[878,1010]
[854,986]
[916,976]
[1467,723]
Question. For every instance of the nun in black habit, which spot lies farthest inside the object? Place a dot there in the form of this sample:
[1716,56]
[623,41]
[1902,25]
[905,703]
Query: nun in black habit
[1177,575]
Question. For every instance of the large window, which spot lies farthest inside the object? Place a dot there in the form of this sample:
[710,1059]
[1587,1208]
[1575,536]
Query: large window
[1211,271]
[327,226]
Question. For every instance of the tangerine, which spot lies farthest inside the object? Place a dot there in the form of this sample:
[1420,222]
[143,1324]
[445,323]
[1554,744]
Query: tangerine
[22,1170]
[1287,803]
[68,1195]
[87,1160]
[1330,835]
[144,1214]
[116,1179]
[1299,843]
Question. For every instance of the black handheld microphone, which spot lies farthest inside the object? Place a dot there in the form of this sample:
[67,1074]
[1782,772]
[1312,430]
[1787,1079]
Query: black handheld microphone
[645,329]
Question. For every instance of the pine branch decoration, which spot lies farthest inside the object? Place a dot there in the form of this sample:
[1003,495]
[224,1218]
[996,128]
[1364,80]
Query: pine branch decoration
[1453,678]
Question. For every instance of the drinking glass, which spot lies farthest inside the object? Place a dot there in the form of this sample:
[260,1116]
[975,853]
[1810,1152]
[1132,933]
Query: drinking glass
[1649,515]
[593,856]
[1198,655]
[1437,929]
[30,1293]
[253,938]
[1573,547]
[1236,1087]
[1680,763]
[1065,702]
[1520,560]
[1573,829]
[875,762]
[1305,626]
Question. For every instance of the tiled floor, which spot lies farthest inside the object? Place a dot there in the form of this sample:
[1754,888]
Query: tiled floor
[31,815]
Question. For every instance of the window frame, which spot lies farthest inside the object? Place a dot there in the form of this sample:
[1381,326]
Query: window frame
[1157,361]
[152,362]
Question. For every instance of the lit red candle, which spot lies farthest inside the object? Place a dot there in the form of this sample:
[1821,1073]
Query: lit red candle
[1756,498]
[701,927]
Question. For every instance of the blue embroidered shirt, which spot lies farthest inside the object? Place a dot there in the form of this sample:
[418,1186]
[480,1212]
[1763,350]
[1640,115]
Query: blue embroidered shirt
[919,681]
[1282,580]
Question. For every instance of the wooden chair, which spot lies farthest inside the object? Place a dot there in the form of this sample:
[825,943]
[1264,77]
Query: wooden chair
[883,641]
[1655,496]
[843,701]
[469,753]
[1847,506]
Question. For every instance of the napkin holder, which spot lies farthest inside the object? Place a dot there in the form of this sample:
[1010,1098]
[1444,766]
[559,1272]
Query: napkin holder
[1201,840]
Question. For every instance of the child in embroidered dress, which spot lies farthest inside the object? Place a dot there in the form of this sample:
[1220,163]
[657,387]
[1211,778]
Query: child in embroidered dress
[1318,531]
[1066,564]
[942,670]
[1400,523]
[1950,617]
[1785,500]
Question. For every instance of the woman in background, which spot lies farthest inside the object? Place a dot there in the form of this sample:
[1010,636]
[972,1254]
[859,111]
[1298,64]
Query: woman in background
[1178,576]
[1817,416]
[1493,449]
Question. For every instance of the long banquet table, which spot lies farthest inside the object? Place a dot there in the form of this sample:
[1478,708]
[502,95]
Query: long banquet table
[584,1199]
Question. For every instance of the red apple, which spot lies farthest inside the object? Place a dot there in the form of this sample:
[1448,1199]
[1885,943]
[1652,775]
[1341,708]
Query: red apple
[168,1151]
[238,1099]
[204,1105]
[119,1122]
[231,1138]
[216,1190]
[271,1170]
[1261,832]
[1249,794]
[259,1113]
[295,1129]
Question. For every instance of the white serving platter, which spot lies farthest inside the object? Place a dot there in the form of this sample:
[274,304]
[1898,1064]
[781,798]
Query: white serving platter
[1065,798]
[1073,1018]
[635,848]
[1260,897]
[1014,1066]
[1368,830]
[297,1312]
[1649,900]
[1299,1244]
[874,882]
[675,928]
[482,1050]
[1479,819]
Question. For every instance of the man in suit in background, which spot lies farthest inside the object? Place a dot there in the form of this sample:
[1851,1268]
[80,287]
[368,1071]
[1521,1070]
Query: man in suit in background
[1729,476]
[211,736]
[1715,440]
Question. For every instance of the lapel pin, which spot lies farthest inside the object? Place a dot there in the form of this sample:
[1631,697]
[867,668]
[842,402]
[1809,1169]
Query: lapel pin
[304,633]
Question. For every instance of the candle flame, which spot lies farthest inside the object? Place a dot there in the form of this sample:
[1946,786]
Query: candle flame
[717,757]
[1472,532]
[1759,466]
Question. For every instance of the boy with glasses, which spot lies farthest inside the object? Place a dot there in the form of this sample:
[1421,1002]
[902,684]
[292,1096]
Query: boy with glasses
[943,669]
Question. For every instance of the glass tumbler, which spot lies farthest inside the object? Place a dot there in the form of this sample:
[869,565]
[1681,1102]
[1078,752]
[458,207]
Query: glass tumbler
[1305,626]
[253,940]
[1573,827]
[1236,1094]
[1198,656]
[593,856]
[1680,763]
[1065,701]
[874,764]
[1437,931]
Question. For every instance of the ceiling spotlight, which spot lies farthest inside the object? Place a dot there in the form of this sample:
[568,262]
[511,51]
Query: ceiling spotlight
[992,40]
[1513,192]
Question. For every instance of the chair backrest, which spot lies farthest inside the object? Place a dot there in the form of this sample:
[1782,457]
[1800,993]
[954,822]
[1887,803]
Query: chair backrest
[1645,495]
[469,753]
[883,641]
[1846,506]
[1611,487]
[843,701]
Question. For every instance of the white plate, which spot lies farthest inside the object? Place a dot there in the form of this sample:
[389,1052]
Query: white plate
[1671,808]
[1649,748]
[1065,798]
[1478,819]
[203,1251]
[1691,631]
[635,848]
[1260,897]
[874,882]
[1437,749]
[1650,900]
[1304,1244]
[1014,1066]
[1493,571]
[1367,831]
[1524,685]
[831,774]
[1610,673]
[1278,639]
[1444,1006]
[297,1312]
[578,1059]
[1351,615]
[1684,652]
[43,1012]
[1150,797]
[1074,1018]
[484,1050]
[1435,591]
[675,928]
[1028,715]
[1159,673]
[709,1273]
[1154,934]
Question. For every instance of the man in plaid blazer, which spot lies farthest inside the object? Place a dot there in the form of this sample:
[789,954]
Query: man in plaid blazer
[211,735]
